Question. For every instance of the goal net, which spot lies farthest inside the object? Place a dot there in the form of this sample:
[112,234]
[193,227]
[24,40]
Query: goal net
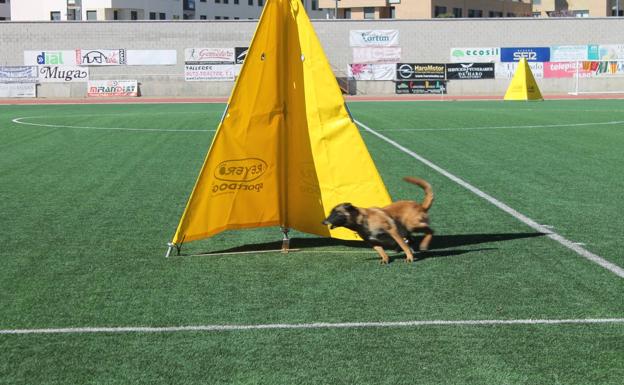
[598,77]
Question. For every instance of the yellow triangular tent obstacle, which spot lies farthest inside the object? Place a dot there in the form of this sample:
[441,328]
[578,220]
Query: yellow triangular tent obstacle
[286,150]
[523,85]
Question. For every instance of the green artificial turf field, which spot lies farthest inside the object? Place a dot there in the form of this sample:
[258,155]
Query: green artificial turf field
[91,194]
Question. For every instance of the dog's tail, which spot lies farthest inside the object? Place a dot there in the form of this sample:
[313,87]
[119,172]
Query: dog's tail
[426,203]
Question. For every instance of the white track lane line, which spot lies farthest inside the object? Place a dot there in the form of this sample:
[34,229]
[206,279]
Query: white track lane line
[615,269]
[19,121]
[612,123]
[316,325]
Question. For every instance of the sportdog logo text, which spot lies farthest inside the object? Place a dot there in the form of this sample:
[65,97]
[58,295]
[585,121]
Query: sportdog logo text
[239,174]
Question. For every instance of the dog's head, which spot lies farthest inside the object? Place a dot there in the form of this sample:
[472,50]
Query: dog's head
[343,214]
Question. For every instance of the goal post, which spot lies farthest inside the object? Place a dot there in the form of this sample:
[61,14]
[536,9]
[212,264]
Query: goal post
[598,77]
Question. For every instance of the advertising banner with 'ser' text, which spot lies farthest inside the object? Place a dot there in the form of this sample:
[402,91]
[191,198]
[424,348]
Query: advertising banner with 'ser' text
[112,88]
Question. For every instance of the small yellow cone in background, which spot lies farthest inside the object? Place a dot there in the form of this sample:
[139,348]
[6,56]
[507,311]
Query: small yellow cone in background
[523,85]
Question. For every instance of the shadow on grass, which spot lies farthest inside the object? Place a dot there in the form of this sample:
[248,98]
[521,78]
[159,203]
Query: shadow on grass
[438,245]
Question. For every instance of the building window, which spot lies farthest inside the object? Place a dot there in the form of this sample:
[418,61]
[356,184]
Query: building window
[152,15]
[71,14]
[202,1]
[55,15]
[91,15]
[162,16]
[203,17]
[134,15]
[475,13]
[250,2]
[511,14]
[439,10]
[217,1]
[495,14]
[115,15]
[260,3]
[314,5]
[369,13]
[225,1]
[392,13]
[217,17]
[458,12]
[235,1]
[347,13]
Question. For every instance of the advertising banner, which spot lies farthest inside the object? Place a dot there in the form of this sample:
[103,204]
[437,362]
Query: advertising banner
[240,53]
[101,57]
[374,38]
[611,52]
[475,55]
[507,70]
[420,87]
[213,72]
[560,53]
[18,74]
[565,70]
[531,54]
[376,55]
[50,57]
[112,88]
[429,71]
[371,71]
[470,71]
[18,90]
[165,57]
[63,74]
[196,56]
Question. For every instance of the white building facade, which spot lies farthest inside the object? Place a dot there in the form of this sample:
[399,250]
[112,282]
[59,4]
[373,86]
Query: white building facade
[40,10]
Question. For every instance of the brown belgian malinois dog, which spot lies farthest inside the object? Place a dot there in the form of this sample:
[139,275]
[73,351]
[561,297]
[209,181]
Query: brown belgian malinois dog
[389,226]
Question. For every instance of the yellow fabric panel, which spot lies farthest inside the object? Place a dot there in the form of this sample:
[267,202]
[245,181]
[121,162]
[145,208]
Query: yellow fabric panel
[523,85]
[286,151]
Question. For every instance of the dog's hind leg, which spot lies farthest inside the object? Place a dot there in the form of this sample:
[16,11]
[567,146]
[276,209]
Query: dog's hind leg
[424,244]
[399,240]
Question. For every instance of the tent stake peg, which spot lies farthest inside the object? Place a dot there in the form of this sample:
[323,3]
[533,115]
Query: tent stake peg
[285,240]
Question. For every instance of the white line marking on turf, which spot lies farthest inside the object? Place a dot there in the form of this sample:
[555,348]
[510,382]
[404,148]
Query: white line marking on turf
[617,270]
[19,121]
[316,325]
[505,127]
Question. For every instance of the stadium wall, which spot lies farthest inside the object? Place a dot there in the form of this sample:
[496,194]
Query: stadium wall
[422,41]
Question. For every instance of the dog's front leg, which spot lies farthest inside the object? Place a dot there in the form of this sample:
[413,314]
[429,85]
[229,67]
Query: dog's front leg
[382,253]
